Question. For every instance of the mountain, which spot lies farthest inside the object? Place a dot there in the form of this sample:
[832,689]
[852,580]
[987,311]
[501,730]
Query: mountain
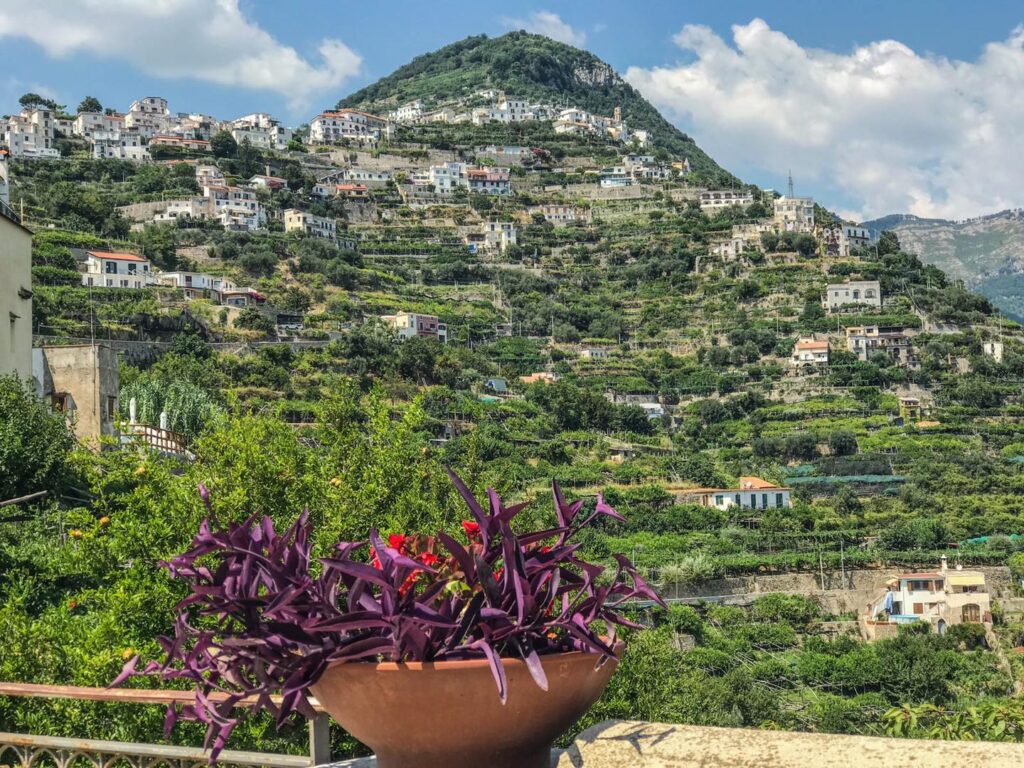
[538,69]
[987,253]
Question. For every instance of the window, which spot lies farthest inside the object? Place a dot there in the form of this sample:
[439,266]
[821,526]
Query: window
[110,267]
[764,501]
[753,501]
[918,609]
[719,500]
[111,410]
[738,502]
[778,500]
[59,401]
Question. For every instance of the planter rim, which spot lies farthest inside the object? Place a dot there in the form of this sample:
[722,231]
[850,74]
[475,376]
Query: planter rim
[443,664]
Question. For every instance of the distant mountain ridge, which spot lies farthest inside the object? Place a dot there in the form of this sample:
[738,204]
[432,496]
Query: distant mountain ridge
[536,68]
[987,252]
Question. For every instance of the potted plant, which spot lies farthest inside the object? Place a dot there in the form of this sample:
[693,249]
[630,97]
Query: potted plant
[434,652]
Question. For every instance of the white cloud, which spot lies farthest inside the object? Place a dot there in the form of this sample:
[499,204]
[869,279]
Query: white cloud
[550,25]
[209,40]
[895,131]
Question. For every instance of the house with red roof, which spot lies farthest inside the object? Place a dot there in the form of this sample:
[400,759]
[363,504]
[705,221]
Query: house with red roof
[111,269]
[752,493]
[809,350]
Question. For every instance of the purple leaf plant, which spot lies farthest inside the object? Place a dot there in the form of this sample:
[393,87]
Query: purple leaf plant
[262,620]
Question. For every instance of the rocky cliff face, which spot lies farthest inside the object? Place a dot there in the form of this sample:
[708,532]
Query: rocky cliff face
[599,74]
[987,253]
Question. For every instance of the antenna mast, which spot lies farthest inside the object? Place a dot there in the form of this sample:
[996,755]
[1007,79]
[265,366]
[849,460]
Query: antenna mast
[791,195]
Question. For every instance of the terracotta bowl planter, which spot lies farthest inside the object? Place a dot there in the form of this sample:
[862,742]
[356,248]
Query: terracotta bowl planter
[447,714]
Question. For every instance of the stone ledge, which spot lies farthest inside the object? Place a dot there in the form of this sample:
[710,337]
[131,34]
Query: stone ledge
[622,744]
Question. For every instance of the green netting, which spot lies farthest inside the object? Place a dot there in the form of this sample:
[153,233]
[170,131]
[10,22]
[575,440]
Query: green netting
[835,479]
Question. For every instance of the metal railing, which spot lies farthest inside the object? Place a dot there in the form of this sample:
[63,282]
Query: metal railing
[6,210]
[29,750]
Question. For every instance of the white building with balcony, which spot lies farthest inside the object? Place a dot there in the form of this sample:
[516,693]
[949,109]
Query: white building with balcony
[31,134]
[348,124]
[942,598]
[854,293]
[149,116]
[409,324]
[116,270]
[119,145]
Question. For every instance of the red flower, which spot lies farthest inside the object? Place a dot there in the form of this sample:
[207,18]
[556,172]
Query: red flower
[73,604]
[375,561]
[544,550]
[429,559]
[472,529]
[396,540]
[409,583]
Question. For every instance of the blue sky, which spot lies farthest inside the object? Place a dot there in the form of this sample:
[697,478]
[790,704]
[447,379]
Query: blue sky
[692,77]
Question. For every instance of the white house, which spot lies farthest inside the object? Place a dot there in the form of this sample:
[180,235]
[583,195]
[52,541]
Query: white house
[367,177]
[941,598]
[594,353]
[616,176]
[149,116]
[209,176]
[853,293]
[261,130]
[332,127]
[559,214]
[794,214]
[409,113]
[809,350]
[31,134]
[236,208]
[199,285]
[86,124]
[752,493]
[409,324]
[190,208]
[119,145]
[713,199]
[446,178]
[116,270]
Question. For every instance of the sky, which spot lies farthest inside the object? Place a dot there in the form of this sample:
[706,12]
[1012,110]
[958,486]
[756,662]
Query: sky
[876,106]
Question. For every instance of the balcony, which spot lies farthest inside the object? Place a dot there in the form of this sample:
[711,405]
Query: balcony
[612,744]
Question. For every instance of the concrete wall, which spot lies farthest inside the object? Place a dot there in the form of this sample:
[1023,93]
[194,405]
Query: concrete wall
[88,375]
[617,744]
[15,299]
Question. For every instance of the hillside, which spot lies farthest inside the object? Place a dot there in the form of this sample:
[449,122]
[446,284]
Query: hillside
[987,253]
[535,68]
[365,321]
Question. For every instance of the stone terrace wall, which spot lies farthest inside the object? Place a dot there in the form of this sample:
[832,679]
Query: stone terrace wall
[837,597]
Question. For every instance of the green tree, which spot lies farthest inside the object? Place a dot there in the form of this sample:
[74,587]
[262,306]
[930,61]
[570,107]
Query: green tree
[223,144]
[90,104]
[34,443]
